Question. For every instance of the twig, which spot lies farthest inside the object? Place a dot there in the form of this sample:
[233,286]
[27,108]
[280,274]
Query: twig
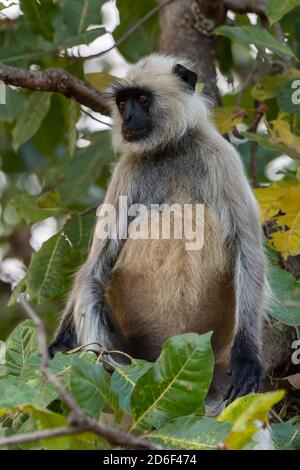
[128,33]
[260,112]
[57,80]
[79,422]
[94,118]
[250,78]
[281,38]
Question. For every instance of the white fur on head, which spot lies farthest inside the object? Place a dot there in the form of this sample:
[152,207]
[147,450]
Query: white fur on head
[175,109]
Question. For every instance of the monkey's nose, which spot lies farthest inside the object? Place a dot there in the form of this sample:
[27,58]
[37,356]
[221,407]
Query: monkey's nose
[128,118]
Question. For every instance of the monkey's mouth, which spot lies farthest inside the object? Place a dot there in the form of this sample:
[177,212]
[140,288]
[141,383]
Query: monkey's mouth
[132,135]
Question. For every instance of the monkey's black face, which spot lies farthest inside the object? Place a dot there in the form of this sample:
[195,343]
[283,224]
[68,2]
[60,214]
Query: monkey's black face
[134,106]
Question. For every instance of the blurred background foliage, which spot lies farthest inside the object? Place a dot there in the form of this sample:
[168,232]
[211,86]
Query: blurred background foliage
[56,158]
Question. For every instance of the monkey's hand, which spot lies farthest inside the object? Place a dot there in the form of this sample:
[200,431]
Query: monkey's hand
[245,370]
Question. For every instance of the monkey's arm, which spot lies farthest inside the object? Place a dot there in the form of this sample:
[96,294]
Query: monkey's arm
[249,269]
[87,318]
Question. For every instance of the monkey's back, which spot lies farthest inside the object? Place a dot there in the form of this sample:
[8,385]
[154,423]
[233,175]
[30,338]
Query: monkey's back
[160,289]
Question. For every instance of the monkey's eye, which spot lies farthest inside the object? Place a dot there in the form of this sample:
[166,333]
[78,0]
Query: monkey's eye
[121,105]
[142,99]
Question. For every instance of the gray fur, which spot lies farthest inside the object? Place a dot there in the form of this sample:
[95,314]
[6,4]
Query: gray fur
[185,153]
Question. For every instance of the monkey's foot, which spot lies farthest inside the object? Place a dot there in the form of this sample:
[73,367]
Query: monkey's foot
[246,373]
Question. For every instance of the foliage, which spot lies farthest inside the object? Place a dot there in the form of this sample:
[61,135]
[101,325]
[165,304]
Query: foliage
[165,399]
[46,171]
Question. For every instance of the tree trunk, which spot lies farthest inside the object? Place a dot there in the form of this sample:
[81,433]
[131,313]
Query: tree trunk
[186,28]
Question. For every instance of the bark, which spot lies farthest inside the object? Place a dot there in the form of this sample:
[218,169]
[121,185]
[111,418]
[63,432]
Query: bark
[186,28]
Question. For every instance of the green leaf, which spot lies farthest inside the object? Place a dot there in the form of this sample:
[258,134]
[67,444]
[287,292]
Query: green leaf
[83,38]
[21,344]
[90,387]
[260,37]
[28,123]
[48,274]
[78,230]
[247,415]
[33,209]
[47,419]
[177,383]
[276,9]
[145,39]
[284,296]
[72,118]
[79,14]
[13,106]
[265,142]
[269,87]
[100,80]
[289,98]
[191,433]
[13,393]
[85,168]
[285,436]
[124,379]
[51,268]
[39,15]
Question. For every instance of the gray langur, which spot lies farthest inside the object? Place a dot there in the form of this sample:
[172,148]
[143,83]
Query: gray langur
[132,294]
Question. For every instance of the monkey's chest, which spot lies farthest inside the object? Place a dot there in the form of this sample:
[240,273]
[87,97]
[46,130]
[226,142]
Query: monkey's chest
[162,287]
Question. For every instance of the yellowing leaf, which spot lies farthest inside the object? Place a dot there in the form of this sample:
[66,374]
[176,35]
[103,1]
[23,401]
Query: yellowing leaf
[269,198]
[247,415]
[280,204]
[269,87]
[100,80]
[288,241]
[281,134]
[227,118]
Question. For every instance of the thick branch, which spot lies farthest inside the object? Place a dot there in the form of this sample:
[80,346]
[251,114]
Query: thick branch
[186,30]
[57,80]
[79,422]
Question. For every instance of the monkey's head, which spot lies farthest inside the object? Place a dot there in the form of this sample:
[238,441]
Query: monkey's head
[156,104]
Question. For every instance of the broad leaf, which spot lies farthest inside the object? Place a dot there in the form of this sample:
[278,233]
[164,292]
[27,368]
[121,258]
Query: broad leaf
[50,269]
[21,344]
[247,415]
[34,209]
[267,142]
[276,9]
[100,80]
[90,385]
[177,383]
[269,87]
[125,378]
[285,296]
[39,15]
[191,433]
[226,118]
[144,40]
[260,37]
[13,393]
[85,168]
[285,436]
[35,110]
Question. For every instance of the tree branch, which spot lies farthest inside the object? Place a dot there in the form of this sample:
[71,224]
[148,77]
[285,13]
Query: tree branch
[247,6]
[128,33]
[57,80]
[79,422]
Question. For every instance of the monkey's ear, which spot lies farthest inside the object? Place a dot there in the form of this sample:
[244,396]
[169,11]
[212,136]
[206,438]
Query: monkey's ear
[187,76]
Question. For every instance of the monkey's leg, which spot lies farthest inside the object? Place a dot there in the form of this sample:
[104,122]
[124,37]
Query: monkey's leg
[245,366]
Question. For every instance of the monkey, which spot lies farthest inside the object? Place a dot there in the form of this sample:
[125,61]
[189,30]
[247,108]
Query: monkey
[133,294]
